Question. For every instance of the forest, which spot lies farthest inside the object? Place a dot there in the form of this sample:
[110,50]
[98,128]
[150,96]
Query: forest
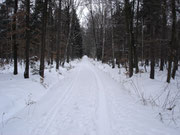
[126,32]
[89,67]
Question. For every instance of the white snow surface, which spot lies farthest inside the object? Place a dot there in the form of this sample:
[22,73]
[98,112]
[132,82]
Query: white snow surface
[84,98]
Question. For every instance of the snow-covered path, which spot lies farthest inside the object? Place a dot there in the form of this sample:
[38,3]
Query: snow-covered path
[86,102]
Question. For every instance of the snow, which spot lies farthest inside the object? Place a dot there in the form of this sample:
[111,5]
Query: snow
[17,92]
[156,93]
[85,97]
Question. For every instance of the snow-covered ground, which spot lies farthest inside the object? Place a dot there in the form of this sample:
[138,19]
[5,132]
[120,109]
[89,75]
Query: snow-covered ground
[162,97]
[87,98]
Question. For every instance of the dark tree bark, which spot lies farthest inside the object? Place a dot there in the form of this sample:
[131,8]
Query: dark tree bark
[173,40]
[112,36]
[69,24]
[176,55]
[15,48]
[152,72]
[43,38]
[163,34]
[58,36]
[26,73]
[93,29]
[152,53]
[68,53]
[137,20]
[137,34]
[130,33]
[51,38]
[175,66]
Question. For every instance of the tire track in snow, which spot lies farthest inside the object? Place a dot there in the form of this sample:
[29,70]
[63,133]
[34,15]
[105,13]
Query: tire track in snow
[44,123]
[103,122]
[82,119]
[100,117]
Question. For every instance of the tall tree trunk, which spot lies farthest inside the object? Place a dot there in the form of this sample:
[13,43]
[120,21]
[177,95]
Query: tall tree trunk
[152,72]
[15,48]
[69,16]
[163,34]
[93,27]
[66,57]
[130,33]
[43,39]
[104,30]
[173,40]
[142,41]
[58,36]
[51,34]
[52,48]
[137,20]
[137,34]
[136,59]
[67,49]
[26,73]
[175,66]
[152,57]
[112,36]
[103,38]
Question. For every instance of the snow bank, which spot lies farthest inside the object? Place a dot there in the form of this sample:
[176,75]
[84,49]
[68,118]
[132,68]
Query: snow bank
[17,93]
[88,101]
[162,97]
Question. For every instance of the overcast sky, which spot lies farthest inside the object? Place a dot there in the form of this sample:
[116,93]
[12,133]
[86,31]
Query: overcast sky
[82,12]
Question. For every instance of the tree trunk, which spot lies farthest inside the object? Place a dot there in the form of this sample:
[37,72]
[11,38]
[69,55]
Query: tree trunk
[135,46]
[173,40]
[67,49]
[152,72]
[43,39]
[163,34]
[129,26]
[175,66]
[58,36]
[136,59]
[94,31]
[104,31]
[15,49]
[26,73]
[112,33]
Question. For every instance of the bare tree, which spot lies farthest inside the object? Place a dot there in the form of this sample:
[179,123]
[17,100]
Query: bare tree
[43,38]
[129,29]
[69,22]
[173,40]
[26,73]
[15,48]
[104,6]
[137,34]
[90,8]
[58,36]
[112,33]
[164,8]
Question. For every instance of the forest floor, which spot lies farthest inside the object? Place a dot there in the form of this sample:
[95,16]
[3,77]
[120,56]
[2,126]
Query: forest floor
[85,98]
